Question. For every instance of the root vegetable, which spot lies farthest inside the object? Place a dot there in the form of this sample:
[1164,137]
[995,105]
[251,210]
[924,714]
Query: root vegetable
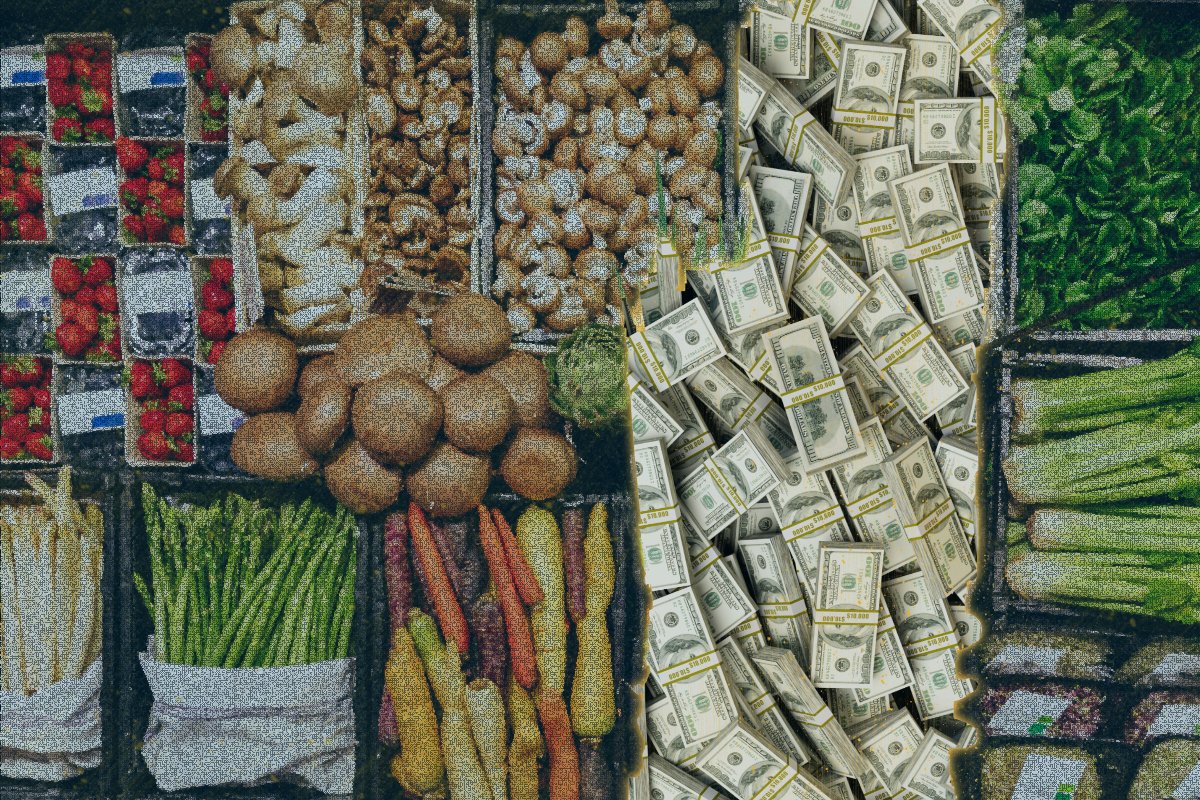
[490,637]
[564,758]
[396,417]
[593,701]
[268,445]
[538,463]
[523,577]
[520,639]
[573,562]
[382,344]
[490,729]
[445,603]
[537,533]
[323,416]
[397,570]
[449,482]
[256,371]
[526,746]
[524,376]
[315,372]
[478,413]
[469,330]
[359,482]
[418,767]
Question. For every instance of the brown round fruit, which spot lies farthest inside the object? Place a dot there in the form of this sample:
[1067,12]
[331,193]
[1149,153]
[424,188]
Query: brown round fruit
[359,482]
[396,417]
[477,413]
[256,371]
[449,482]
[470,330]
[323,416]
[525,378]
[316,371]
[381,344]
[538,463]
[266,445]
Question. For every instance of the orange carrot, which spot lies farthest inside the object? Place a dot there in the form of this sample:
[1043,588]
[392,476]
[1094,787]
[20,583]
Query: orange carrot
[564,758]
[445,603]
[527,585]
[520,638]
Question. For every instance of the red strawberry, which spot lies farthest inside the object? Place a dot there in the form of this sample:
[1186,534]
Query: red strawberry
[178,423]
[152,420]
[12,203]
[62,95]
[134,190]
[96,100]
[183,394]
[18,399]
[86,297]
[172,204]
[221,269]
[10,376]
[231,319]
[176,235]
[30,185]
[8,178]
[185,452]
[100,129]
[30,228]
[131,155]
[156,169]
[174,167]
[100,271]
[40,445]
[58,66]
[79,50]
[9,448]
[111,351]
[157,189]
[212,325]
[65,129]
[214,295]
[142,384]
[41,398]
[72,338]
[214,352]
[29,369]
[153,446]
[39,419]
[175,373]
[5,230]
[106,298]
[195,61]
[15,427]
[135,228]
[81,68]
[102,77]
[65,276]
[28,158]
[156,226]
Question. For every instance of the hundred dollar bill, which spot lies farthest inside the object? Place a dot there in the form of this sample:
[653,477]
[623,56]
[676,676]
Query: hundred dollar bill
[677,345]
[819,413]
[825,285]
[973,26]
[726,602]
[886,24]
[683,657]
[657,501]
[745,160]
[696,442]
[748,291]
[737,404]
[928,514]
[845,20]
[962,130]
[858,363]
[851,714]
[890,745]
[883,244]
[968,626]
[776,589]
[783,197]
[968,327]
[930,72]
[664,557]
[753,85]
[846,614]
[828,45]
[822,77]
[930,641]
[958,418]
[890,673]
[650,420]
[927,774]
[747,351]
[743,762]
[958,459]
[665,735]
[868,498]
[669,782]
[839,225]
[750,636]
[779,45]
[858,398]
[758,521]
[900,341]
[805,143]
[939,248]
[792,686]
[738,475]
[765,713]
[838,786]
[979,187]
[808,514]
[867,93]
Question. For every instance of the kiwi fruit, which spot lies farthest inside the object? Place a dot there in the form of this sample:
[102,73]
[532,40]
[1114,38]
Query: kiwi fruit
[381,344]
[323,416]
[316,371]
[477,413]
[449,482]
[538,463]
[256,371]
[441,372]
[359,482]
[396,417]
[470,330]
[267,445]
[524,376]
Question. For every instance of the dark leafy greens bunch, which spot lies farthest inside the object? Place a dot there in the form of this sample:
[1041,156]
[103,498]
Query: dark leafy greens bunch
[1107,111]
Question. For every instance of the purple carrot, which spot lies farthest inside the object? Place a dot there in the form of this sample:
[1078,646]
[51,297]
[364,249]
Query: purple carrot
[572,523]
[397,569]
[388,733]
[491,638]
[450,561]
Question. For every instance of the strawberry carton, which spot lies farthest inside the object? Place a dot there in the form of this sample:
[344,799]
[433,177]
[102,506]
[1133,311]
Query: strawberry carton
[79,86]
[160,420]
[22,199]
[152,197]
[86,310]
[208,98]
[152,92]
[216,315]
[26,409]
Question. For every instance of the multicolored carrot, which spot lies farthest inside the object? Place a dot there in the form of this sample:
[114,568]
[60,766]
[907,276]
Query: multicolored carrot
[593,701]
[520,639]
[450,559]
[470,558]
[445,602]
[572,523]
[491,640]
[564,759]
[418,767]
[537,534]
[490,729]
[388,734]
[397,570]
[523,577]
[526,746]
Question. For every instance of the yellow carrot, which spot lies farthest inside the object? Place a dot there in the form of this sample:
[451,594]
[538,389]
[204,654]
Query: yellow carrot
[418,767]
[526,747]
[538,536]
[593,705]
[490,729]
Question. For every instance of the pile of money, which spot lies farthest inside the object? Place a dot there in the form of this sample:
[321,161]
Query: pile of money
[804,414]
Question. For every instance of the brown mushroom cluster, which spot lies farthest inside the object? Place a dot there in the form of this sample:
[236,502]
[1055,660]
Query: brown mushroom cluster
[582,136]
[417,72]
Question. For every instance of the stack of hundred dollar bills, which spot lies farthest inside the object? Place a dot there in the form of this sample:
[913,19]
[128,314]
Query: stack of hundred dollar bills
[804,416]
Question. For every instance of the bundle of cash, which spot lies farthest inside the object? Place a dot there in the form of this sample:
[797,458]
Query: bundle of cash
[776,589]
[745,764]
[659,518]
[845,614]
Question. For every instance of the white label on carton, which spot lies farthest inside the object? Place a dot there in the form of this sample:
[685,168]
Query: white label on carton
[1043,660]
[22,67]
[85,412]
[1180,720]
[1177,665]
[83,190]
[1048,778]
[158,70]
[156,292]
[1028,714]
[25,291]
[206,204]
[216,416]
[1190,788]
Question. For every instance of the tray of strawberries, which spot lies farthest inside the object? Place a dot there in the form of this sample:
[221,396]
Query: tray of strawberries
[160,423]
[26,414]
[152,196]
[87,319]
[22,216]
